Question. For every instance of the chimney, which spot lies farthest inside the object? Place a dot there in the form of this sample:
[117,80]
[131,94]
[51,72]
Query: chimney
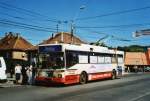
[52,35]
[11,33]
[17,35]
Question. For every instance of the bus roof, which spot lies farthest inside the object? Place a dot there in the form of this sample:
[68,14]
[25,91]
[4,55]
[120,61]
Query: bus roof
[86,48]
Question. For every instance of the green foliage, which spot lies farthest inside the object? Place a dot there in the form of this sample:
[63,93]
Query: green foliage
[133,48]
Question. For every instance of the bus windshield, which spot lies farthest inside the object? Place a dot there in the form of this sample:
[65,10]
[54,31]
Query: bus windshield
[53,60]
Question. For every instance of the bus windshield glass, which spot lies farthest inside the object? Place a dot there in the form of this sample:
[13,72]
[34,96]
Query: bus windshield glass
[53,60]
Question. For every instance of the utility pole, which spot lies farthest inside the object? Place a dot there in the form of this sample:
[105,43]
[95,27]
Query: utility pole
[73,24]
[72,31]
[57,27]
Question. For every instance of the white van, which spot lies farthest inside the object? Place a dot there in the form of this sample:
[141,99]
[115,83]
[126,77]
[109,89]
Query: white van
[3,75]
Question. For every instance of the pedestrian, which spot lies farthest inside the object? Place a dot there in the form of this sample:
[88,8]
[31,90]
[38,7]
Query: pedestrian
[24,75]
[29,74]
[18,69]
[34,71]
[11,72]
[128,69]
[119,68]
[136,69]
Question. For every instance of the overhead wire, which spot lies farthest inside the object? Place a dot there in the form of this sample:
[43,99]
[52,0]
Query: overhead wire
[22,18]
[23,25]
[23,10]
[28,12]
[114,13]
[115,26]
[16,17]
[37,14]
[9,21]
[111,36]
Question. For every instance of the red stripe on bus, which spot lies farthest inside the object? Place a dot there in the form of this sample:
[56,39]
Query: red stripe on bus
[70,79]
[96,76]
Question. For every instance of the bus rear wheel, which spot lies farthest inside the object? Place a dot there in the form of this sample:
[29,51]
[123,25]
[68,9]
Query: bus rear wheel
[83,78]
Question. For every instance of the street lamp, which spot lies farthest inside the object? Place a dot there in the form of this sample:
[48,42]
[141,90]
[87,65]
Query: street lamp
[73,20]
[141,32]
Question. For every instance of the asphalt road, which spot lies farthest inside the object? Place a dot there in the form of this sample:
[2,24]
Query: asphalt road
[129,88]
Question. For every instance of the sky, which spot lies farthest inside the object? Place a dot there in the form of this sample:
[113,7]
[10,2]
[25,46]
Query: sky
[36,20]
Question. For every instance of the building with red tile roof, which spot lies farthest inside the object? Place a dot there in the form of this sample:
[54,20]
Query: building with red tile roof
[14,42]
[63,37]
[13,48]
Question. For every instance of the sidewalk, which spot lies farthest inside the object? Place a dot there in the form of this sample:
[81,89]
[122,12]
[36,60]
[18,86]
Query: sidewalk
[9,83]
[128,73]
[133,73]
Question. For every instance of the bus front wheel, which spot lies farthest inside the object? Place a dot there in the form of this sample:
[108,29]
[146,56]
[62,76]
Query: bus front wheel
[83,78]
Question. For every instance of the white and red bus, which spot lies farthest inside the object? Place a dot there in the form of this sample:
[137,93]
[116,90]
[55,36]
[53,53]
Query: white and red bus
[68,63]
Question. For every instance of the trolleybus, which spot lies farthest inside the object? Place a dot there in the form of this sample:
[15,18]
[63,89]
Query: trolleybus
[68,63]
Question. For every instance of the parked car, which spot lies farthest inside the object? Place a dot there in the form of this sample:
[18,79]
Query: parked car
[147,69]
[3,75]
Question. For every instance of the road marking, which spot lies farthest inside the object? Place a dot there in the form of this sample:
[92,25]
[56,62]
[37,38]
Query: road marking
[135,99]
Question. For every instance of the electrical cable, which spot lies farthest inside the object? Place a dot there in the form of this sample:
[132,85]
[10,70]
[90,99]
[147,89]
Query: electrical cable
[114,13]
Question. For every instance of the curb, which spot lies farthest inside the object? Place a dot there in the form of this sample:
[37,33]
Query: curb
[9,84]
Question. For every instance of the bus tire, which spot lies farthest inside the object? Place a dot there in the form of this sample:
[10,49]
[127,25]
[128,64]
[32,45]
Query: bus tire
[113,75]
[83,78]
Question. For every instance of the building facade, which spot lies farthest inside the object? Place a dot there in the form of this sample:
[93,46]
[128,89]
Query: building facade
[14,49]
[63,37]
[137,60]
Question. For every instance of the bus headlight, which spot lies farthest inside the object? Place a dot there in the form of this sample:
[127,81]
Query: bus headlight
[43,74]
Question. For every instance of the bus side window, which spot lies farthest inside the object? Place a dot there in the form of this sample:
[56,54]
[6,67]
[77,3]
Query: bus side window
[83,59]
[113,59]
[72,59]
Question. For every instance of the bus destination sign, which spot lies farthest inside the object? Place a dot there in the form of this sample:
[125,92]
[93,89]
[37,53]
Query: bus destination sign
[52,48]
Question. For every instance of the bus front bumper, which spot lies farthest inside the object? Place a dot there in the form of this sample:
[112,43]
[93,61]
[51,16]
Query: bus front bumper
[49,81]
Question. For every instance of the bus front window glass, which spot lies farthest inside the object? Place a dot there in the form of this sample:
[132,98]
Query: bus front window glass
[52,61]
